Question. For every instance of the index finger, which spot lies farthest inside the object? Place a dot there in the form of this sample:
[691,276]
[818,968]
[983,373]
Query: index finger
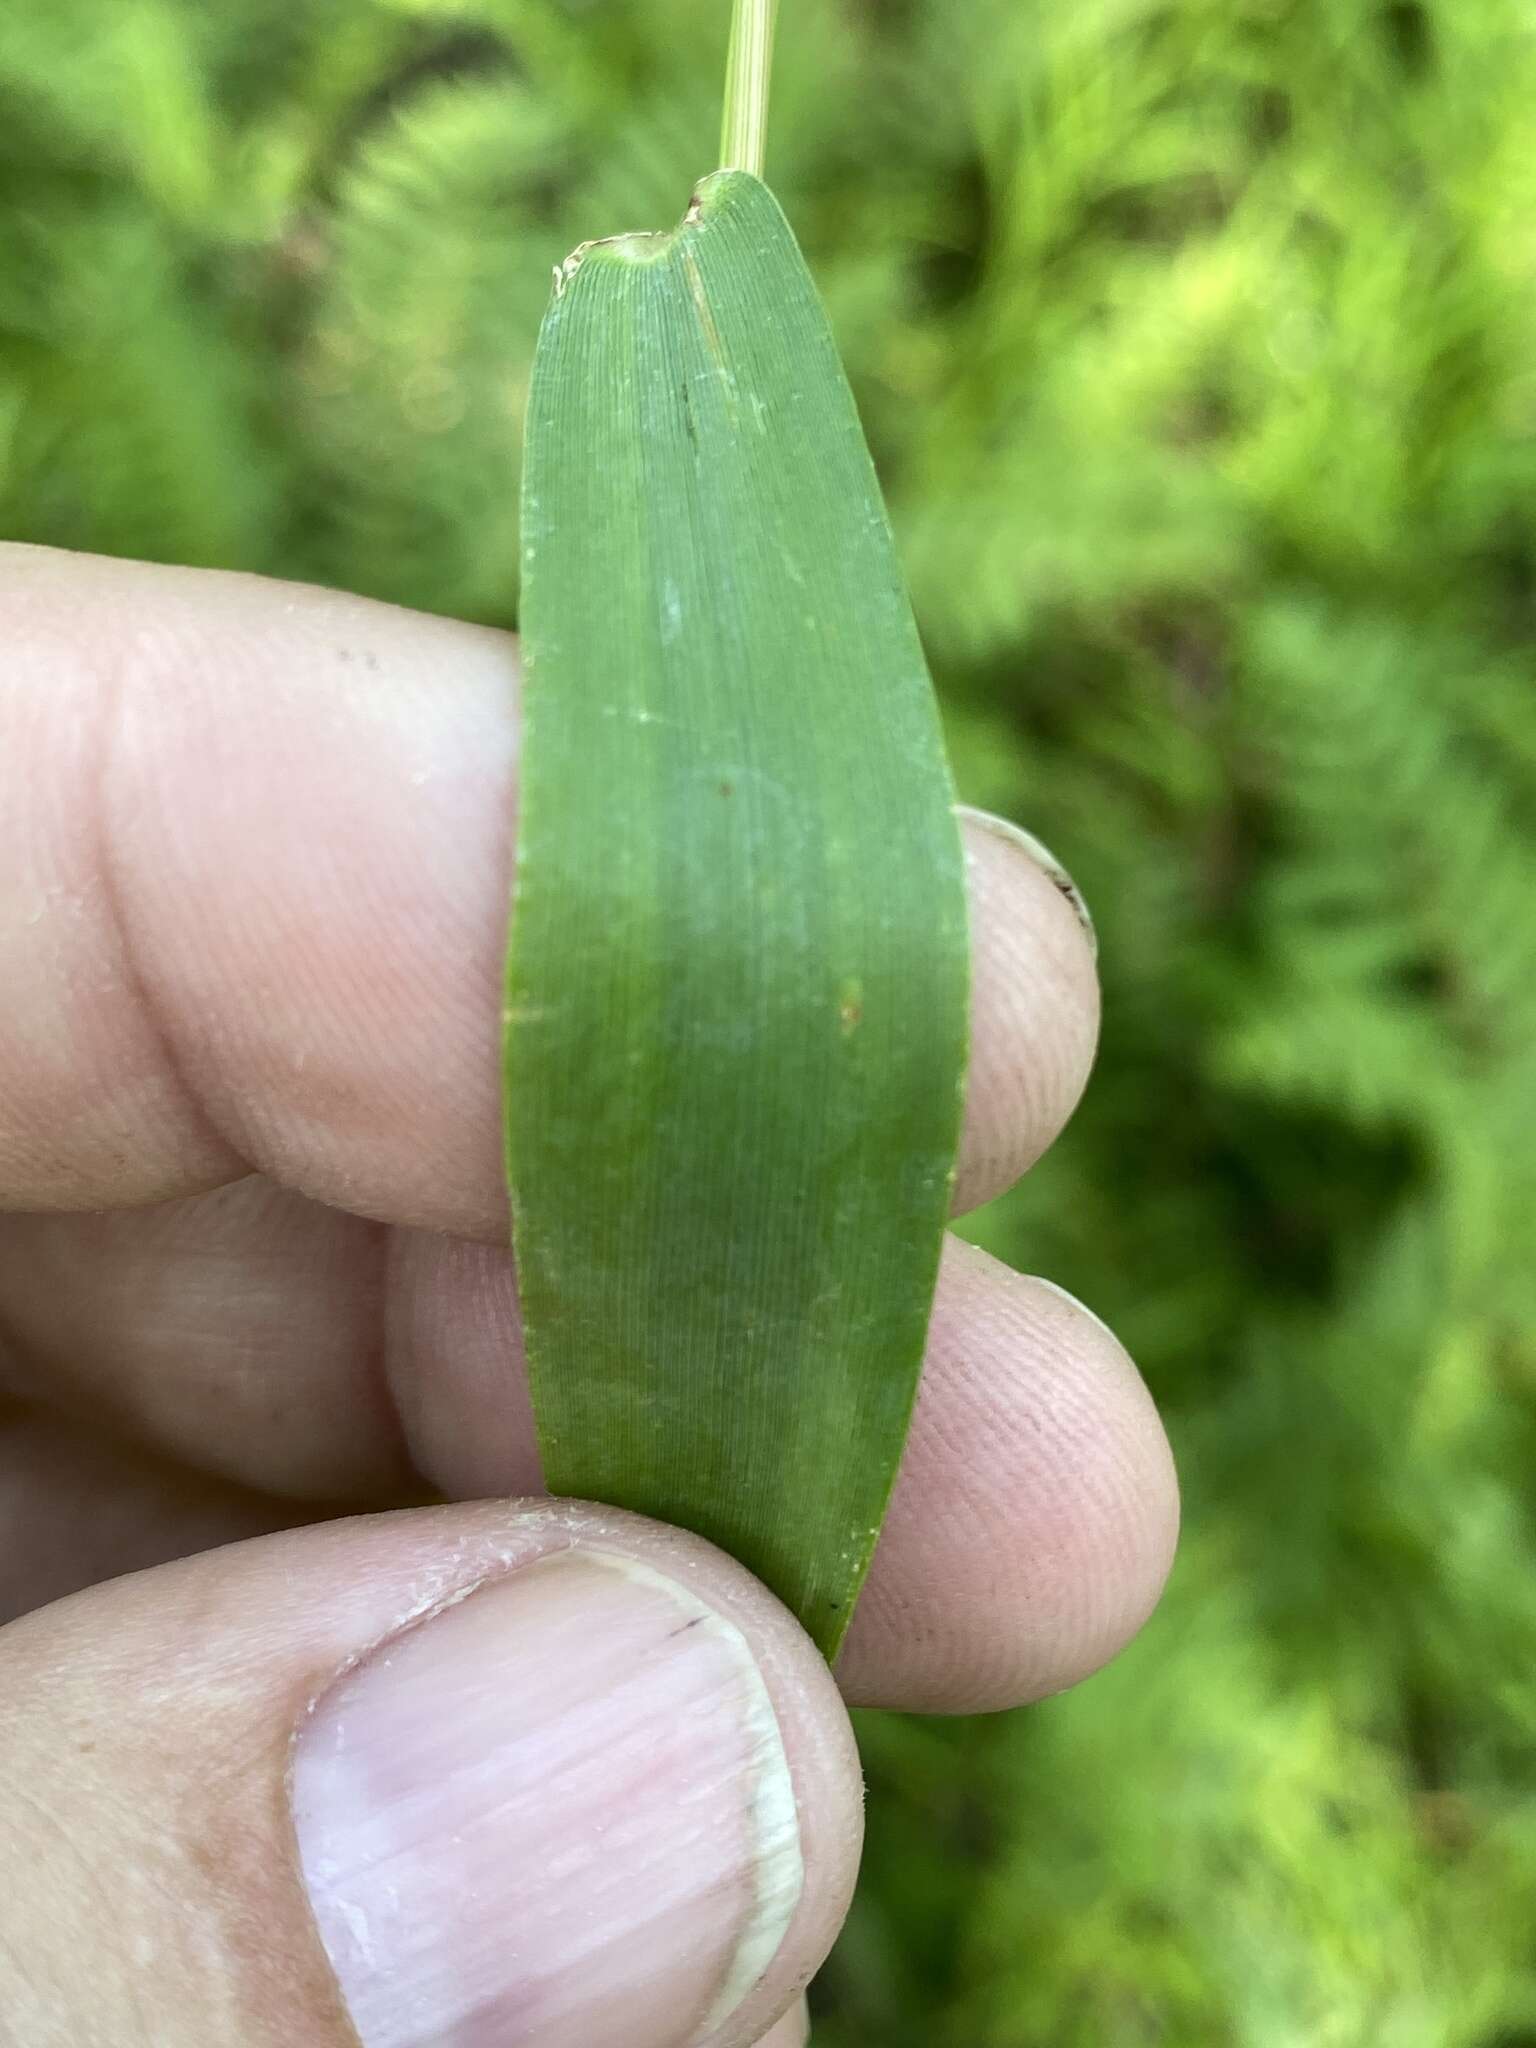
[255,853]
[253,856]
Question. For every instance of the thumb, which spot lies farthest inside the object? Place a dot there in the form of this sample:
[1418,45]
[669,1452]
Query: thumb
[505,1776]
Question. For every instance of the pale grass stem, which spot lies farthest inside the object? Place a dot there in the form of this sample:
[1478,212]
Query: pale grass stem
[744,144]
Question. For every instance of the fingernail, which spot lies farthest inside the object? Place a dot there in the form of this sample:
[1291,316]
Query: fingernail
[554,1815]
[1043,858]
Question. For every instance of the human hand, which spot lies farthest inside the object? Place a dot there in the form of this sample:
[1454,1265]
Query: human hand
[508,1775]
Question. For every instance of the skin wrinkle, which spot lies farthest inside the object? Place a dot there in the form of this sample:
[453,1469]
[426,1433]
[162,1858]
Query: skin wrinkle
[76,1073]
[78,1506]
[85,1876]
[238,1331]
[487,1368]
[377,1374]
[286,719]
[115,681]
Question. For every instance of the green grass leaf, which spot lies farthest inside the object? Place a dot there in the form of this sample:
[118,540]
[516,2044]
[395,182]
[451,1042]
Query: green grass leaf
[738,979]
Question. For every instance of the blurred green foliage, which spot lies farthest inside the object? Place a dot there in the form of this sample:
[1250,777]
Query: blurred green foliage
[1197,343]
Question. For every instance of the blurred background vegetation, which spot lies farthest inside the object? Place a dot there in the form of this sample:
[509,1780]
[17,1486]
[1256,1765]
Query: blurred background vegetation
[1197,344]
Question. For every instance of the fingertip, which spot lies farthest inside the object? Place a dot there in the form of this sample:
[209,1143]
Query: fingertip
[1034,1008]
[1036,1514]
